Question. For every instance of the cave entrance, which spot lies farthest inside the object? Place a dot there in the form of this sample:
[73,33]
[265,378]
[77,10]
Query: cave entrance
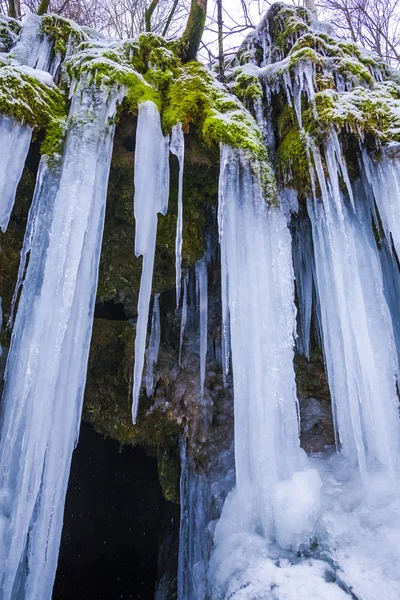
[115,523]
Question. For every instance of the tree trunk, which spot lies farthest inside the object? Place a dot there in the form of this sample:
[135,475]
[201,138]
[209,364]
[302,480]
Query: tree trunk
[189,43]
[14,9]
[43,7]
[149,13]
[170,17]
[220,42]
[310,4]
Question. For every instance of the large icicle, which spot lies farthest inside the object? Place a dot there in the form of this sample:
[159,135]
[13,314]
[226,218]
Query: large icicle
[178,148]
[202,299]
[257,278]
[358,338]
[47,363]
[14,145]
[151,198]
[154,346]
[384,178]
[34,49]
[302,262]
[183,316]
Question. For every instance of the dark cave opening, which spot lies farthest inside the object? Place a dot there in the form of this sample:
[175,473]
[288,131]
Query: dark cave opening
[116,520]
[110,310]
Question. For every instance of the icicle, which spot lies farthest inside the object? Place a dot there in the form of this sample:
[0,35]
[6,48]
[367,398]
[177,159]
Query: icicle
[384,179]
[154,346]
[151,198]
[183,317]
[202,297]
[14,145]
[33,49]
[1,324]
[47,183]
[258,274]
[226,341]
[177,147]
[195,498]
[47,362]
[302,262]
[391,282]
[357,332]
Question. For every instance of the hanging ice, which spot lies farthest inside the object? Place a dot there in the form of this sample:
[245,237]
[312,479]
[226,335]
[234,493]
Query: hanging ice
[178,148]
[14,145]
[183,316]
[202,299]
[277,497]
[46,368]
[257,279]
[302,261]
[154,346]
[33,49]
[47,182]
[358,339]
[151,198]
[383,176]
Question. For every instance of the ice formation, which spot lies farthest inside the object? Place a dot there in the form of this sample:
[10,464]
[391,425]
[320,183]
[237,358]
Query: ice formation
[51,337]
[183,316]
[154,346]
[202,300]
[14,145]
[151,198]
[178,148]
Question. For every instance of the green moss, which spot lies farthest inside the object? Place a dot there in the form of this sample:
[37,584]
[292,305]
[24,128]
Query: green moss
[292,162]
[27,99]
[369,111]
[305,54]
[62,31]
[246,86]
[30,101]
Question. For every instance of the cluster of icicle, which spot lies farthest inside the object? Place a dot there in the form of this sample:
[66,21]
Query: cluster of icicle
[47,363]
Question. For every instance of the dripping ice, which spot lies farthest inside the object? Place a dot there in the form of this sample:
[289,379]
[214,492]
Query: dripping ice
[34,52]
[202,299]
[177,147]
[51,337]
[151,198]
[154,346]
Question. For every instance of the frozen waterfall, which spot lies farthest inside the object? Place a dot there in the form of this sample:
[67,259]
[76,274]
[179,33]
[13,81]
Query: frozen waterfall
[358,338]
[51,337]
[151,198]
